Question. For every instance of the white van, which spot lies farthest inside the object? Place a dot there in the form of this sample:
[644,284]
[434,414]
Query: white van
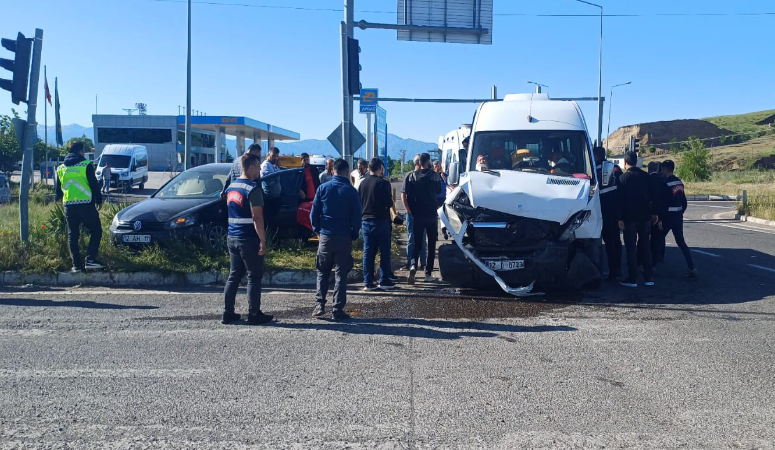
[526,209]
[128,165]
[451,146]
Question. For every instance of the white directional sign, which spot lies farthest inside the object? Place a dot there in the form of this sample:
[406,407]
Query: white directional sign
[469,14]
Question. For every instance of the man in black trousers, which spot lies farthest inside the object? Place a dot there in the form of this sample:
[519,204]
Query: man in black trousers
[610,206]
[636,218]
[421,188]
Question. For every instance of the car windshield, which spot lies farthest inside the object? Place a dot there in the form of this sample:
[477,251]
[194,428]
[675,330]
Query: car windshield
[563,153]
[116,161]
[194,184]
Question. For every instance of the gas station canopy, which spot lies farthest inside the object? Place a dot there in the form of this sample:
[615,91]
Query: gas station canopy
[241,127]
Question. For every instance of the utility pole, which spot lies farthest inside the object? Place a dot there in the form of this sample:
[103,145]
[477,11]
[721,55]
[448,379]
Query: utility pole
[45,123]
[346,33]
[29,137]
[187,144]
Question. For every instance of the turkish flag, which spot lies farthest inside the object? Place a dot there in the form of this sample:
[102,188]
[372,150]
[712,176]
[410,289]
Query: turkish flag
[48,92]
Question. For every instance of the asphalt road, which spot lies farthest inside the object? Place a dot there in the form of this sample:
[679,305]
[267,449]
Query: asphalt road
[686,364]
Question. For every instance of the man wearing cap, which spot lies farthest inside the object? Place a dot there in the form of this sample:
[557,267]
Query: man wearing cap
[674,219]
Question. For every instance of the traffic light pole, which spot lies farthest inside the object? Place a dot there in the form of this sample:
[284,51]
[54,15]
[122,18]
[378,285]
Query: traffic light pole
[30,133]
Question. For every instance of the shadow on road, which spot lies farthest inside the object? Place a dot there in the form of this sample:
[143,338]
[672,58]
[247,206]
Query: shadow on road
[419,328]
[68,304]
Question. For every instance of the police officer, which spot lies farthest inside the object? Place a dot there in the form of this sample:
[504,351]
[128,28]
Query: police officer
[77,186]
[610,205]
[246,241]
[674,217]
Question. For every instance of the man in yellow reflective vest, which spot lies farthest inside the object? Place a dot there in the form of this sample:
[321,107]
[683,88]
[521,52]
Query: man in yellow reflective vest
[79,190]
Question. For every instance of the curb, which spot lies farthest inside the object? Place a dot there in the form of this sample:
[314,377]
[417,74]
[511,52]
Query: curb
[147,279]
[705,198]
[744,218]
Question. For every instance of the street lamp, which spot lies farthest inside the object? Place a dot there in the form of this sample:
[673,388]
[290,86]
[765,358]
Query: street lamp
[610,104]
[599,77]
[538,89]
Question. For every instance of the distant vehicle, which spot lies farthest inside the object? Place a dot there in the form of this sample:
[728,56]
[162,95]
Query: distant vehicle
[190,206]
[526,209]
[128,165]
[5,189]
[451,146]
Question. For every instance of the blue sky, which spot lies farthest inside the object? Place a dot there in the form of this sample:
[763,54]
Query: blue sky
[282,65]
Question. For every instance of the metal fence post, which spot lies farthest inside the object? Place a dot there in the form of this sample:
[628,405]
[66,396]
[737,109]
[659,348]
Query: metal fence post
[745,202]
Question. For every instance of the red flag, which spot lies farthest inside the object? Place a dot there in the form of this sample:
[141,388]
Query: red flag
[48,93]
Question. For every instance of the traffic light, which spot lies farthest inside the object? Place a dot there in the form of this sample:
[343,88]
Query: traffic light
[634,144]
[353,66]
[19,67]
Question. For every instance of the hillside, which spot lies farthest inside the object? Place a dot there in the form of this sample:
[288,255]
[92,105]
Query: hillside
[716,131]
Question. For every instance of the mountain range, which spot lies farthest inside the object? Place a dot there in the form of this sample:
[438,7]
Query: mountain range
[311,146]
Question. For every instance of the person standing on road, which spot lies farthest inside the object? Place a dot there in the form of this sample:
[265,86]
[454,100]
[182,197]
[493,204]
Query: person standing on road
[77,186]
[236,166]
[326,176]
[376,202]
[360,173]
[106,173]
[246,241]
[310,180]
[336,217]
[421,189]
[410,223]
[674,217]
[272,188]
[636,218]
[610,206]
[661,200]
[443,194]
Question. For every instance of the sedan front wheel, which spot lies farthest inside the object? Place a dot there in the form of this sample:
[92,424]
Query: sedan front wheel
[215,235]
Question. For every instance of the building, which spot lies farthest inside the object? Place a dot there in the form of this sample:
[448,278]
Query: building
[164,136]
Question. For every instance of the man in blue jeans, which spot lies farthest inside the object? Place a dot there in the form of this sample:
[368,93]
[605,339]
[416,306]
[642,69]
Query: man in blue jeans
[410,226]
[336,217]
[376,202]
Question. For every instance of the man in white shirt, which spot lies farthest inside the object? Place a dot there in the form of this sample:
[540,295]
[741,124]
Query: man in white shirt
[359,174]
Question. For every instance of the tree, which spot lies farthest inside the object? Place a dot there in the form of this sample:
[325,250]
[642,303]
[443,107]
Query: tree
[696,161]
[10,152]
[87,143]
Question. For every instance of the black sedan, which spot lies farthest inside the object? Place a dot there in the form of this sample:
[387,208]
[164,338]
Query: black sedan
[190,207]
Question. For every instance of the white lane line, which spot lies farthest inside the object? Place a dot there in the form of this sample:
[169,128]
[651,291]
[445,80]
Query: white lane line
[743,228]
[762,267]
[714,206]
[706,253]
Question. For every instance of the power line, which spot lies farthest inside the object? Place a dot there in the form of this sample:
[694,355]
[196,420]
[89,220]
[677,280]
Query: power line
[309,9]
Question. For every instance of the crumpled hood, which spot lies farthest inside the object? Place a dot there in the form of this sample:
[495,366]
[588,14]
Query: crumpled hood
[162,210]
[537,196]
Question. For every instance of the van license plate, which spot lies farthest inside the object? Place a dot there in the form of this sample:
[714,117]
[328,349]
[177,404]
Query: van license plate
[508,264]
[137,239]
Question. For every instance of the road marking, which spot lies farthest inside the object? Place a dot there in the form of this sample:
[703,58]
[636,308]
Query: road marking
[762,267]
[740,227]
[715,206]
[706,253]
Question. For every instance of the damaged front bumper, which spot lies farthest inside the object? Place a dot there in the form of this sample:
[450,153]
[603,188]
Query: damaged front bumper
[458,231]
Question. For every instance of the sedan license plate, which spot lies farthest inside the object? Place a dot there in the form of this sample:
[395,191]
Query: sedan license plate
[505,264]
[137,239]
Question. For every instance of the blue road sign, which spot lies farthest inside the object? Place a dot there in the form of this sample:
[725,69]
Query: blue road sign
[369,100]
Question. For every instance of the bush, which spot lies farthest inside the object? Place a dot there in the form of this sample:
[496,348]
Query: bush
[696,162]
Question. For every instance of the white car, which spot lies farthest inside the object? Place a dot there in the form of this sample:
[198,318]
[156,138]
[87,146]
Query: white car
[526,209]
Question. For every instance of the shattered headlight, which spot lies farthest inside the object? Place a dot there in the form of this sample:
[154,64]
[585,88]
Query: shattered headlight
[573,224]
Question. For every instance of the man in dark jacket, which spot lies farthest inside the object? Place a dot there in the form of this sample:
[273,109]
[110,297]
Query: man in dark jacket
[77,186]
[661,200]
[236,166]
[635,219]
[610,205]
[674,217]
[421,188]
[336,217]
[376,201]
